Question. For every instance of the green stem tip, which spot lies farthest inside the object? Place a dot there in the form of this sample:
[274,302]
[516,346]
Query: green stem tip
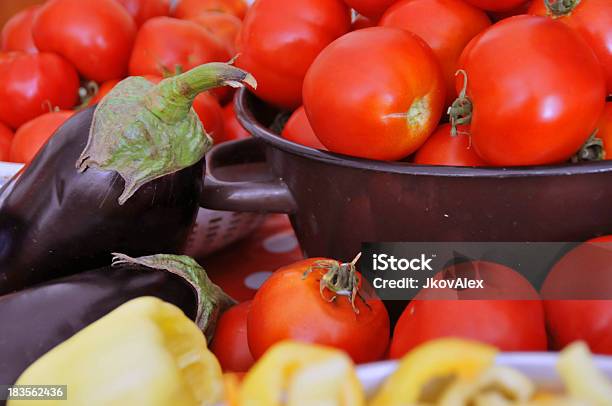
[460,112]
[172,98]
[212,300]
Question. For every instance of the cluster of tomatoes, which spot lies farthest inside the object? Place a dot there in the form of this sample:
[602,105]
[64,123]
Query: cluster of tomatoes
[523,82]
[65,55]
[296,303]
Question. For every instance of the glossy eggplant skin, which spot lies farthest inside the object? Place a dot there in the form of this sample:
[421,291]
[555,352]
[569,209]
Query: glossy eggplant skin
[55,221]
[37,319]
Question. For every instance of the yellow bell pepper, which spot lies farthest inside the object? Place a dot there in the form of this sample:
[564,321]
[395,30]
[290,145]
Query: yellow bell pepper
[298,374]
[495,386]
[145,352]
[582,378]
[436,362]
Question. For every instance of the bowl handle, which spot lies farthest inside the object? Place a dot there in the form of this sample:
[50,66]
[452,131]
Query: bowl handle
[238,179]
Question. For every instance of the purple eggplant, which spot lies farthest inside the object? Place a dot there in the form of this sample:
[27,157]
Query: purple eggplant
[125,176]
[37,319]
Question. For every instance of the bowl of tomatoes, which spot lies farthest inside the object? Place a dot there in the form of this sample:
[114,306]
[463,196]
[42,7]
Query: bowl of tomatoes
[336,201]
[425,121]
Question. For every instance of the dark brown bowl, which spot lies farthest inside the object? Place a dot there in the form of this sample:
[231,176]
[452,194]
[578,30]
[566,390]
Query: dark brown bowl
[337,202]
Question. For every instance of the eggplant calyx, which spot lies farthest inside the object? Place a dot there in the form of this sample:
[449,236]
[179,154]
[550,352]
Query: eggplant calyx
[145,131]
[212,300]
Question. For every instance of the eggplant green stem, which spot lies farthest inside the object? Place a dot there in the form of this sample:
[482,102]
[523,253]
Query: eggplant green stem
[460,111]
[559,8]
[212,300]
[340,278]
[144,131]
[172,98]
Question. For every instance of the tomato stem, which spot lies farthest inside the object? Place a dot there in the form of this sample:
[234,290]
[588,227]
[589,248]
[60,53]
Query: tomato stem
[592,150]
[559,8]
[339,278]
[460,111]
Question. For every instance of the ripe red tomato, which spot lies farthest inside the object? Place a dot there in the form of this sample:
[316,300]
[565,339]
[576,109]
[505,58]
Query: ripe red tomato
[383,109]
[222,26]
[592,19]
[370,8]
[280,40]
[17,32]
[510,325]
[444,149]
[187,9]
[165,45]
[590,318]
[604,129]
[230,343]
[211,115]
[31,84]
[6,138]
[95,36]
[526,113]
[143,10]
[289,306]
[299,130]
[233,129]
[446,25]
[361,22]
[103,90]
[496,5]
[31,136]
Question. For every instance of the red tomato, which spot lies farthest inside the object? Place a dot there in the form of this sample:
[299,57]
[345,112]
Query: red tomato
[289,306]
[446,25]
[510,325]
[103,90]
[526,113]
[298,130]
[96,36]
[31,84]
[187,9]
[222,26]
[370,8]
[143,10]
[17,32]
[165,45]
[583,273]
[211,115]
[444,149]
[604,129]
[496,5]
[383,109]
[6,138]
[31,136]
[233,129]
[280,40]
[592,19]
[360,22]
[230,344]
